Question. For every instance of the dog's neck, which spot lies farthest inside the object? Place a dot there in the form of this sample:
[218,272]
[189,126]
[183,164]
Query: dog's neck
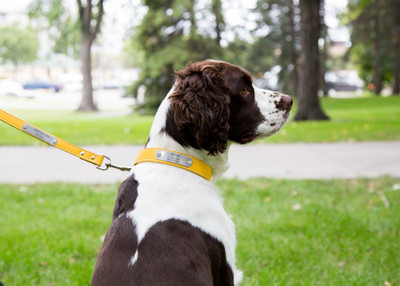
[160,139]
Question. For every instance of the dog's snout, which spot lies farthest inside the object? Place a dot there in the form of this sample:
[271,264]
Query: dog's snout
[288,101]
[285,103]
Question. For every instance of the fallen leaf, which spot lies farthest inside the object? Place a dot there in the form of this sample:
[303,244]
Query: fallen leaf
[385,201]
[296,207]
[267,199]
[23,189]
[371,187]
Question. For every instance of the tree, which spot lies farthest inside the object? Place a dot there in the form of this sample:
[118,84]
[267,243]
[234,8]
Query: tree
[219,20]
[90,17]
[396,47]
[60,25]
[308,101]
[167,38]
[18,45]
[375,35]
[87,24]
[279,44]
[324,49]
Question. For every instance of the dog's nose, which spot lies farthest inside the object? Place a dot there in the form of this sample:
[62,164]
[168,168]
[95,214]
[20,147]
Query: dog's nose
[284,103]
[287,101]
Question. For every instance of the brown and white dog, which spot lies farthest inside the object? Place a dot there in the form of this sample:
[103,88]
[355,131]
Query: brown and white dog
[169,226]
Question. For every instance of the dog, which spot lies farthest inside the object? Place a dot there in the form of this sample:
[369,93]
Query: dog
[169,227]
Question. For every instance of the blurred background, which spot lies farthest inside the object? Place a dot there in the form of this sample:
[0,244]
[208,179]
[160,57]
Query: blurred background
[92,55]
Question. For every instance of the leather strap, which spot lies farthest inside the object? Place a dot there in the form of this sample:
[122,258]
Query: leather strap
[51,140]
[172,158]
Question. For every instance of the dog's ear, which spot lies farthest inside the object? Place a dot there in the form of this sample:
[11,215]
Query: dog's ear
[200,103]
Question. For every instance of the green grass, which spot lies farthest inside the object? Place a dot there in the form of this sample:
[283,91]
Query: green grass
[326,232]
[79,128]
[361,119]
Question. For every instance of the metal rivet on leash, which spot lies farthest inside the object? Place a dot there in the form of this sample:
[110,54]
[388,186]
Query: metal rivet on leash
[82,153]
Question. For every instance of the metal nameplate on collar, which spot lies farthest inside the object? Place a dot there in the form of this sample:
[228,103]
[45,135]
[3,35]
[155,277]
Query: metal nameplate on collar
[174,158]
[39,134]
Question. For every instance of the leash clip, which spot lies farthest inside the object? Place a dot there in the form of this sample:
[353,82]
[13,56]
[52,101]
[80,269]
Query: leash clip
[108,165]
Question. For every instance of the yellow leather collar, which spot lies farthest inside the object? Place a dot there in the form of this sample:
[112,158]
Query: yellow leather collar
[172,158]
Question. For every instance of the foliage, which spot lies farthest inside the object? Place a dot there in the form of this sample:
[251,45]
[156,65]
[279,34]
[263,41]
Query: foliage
[168,38]
[18,45]
[375,36]
[277,41]
[61,25]
[325,232]
[360,119]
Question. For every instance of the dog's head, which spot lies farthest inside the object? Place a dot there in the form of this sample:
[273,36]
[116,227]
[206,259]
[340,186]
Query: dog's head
[213,102]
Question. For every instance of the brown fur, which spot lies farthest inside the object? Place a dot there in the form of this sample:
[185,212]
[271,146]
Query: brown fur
[200,103]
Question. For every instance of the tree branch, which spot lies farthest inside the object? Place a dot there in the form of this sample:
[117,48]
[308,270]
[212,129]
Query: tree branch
[80,8]
[100,6]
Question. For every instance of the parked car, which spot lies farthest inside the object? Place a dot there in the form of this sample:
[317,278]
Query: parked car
[71,81]
[39,84]
[10,87]
[344,80]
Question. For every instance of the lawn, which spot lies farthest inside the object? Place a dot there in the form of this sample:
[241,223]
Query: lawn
[360,119]
[327,232]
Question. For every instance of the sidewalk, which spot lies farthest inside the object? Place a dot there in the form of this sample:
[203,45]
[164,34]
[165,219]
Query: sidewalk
[26,165]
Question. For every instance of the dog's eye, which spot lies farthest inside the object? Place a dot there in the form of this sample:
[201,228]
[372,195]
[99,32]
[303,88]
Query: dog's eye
[244,91]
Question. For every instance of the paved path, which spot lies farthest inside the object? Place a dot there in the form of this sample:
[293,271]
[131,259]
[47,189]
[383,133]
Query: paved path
[292,161]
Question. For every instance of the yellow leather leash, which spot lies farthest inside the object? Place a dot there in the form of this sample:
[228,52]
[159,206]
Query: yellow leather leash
[103,162]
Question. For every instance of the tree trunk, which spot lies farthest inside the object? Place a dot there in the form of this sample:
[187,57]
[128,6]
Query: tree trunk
[324,51]
[378,56]
[396,45]
[308,103]
[87,103]
[294,55]
[217,11]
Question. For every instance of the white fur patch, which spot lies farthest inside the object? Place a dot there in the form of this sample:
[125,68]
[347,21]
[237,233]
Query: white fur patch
[163,193]
[133,259]
[274,118]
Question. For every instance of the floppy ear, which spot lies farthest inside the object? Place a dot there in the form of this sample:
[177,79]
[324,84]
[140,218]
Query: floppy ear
[200,103]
